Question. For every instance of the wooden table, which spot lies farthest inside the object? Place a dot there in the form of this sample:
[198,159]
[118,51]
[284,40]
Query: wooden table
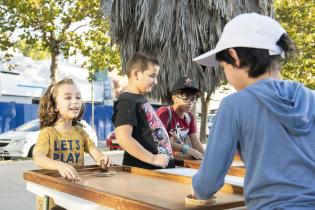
[235,170]
[129,188]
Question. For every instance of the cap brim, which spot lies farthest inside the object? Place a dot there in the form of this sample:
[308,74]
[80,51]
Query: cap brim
[188,88]
[207,59]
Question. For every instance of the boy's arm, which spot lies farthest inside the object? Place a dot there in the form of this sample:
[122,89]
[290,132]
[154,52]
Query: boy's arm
[195,143]
[97,155]
[175,146]
[221,147]
[192,151]
[65,170]
[127,142]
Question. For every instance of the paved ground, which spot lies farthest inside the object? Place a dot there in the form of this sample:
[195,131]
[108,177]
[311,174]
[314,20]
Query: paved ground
[13,193]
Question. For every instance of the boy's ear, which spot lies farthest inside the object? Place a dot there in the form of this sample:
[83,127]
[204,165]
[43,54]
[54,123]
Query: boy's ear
[234,55]
[173,98]
[135,73]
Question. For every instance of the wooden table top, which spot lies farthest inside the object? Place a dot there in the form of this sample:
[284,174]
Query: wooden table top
[132,188]
[238,170]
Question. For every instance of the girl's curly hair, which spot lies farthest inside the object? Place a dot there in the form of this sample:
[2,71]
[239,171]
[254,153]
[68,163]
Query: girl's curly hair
[47,105]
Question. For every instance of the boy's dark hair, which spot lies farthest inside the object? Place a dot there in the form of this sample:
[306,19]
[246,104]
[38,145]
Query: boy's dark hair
[257,60]
[141,61]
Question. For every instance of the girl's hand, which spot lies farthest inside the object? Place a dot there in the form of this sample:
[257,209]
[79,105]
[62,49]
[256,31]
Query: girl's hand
[160,160]
[67,171]
[106,159]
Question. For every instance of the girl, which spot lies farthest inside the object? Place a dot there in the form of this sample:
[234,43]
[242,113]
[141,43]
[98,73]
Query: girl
[62,142]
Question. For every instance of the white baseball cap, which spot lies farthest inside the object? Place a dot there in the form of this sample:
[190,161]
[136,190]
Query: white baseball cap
[246,30]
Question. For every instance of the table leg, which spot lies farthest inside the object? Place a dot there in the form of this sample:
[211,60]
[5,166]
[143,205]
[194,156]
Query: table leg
[46,203]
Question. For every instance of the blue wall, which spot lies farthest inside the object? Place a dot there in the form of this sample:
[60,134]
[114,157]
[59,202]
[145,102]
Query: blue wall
[102,119]
[14,114]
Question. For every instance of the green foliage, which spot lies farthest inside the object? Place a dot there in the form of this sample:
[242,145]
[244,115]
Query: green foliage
[298,18]
[103,55]
[56,25]
[35,51]
[6,31]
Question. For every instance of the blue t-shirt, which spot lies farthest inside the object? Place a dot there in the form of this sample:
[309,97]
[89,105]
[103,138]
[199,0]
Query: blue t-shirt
[272,123]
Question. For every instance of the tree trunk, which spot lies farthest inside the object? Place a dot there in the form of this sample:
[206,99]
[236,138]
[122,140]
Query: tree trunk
[53,67]
[205,101]
[54,61]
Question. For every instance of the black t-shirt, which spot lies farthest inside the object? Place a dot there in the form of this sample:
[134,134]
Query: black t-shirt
[148,130]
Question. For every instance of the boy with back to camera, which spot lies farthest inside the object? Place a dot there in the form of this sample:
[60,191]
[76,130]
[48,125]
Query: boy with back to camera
[269,120]
[138,129]
[180,122]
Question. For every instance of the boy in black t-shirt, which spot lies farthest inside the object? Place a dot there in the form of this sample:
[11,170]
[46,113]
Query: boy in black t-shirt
[138,129]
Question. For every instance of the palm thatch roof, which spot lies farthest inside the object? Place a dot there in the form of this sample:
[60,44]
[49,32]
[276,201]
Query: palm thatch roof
[175,31]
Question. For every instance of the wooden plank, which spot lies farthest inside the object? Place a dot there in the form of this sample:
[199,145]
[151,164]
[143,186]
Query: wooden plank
[237,157]
[49,179]
[187,163]
[131,188]
[237,171]
[191,163]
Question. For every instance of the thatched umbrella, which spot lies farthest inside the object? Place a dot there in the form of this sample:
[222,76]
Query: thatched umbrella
[175,31]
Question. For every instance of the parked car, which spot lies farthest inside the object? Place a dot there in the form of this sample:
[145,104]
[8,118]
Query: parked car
[111,142]
[20,142]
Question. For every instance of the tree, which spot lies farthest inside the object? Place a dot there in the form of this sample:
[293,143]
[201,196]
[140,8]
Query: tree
[35,51]
[175,32]
[298,18]
[55,24]
[6,31]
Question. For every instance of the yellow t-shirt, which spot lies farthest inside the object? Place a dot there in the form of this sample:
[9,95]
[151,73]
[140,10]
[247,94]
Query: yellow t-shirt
[68,147]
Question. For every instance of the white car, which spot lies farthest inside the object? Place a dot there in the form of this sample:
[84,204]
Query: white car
[20,142]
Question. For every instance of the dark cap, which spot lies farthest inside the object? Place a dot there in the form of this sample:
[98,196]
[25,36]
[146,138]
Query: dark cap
[185,83]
